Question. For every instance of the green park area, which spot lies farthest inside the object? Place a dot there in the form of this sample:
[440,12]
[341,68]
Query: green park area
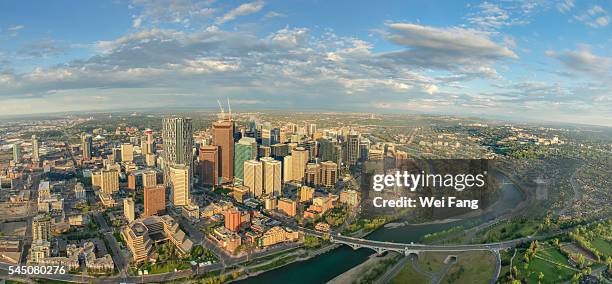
[511,230]
[544,264]
[409,275]
[471,267]
[604,246]
[432,261]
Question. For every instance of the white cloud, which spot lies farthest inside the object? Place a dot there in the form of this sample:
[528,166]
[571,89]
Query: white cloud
[595,17]
[565,6]
[453,49]
[13,31]
[584,61]
[242,10]
[137,22]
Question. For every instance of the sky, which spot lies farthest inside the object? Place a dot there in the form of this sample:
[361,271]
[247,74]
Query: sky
[541,60]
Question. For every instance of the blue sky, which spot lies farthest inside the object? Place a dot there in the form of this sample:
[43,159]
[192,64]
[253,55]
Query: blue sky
[542,60]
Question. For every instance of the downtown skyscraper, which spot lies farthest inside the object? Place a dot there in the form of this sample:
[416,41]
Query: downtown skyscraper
[245,149]
[177,135]
[35,150]
[223,136]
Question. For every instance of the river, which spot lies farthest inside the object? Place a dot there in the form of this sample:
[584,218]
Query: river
[324,267]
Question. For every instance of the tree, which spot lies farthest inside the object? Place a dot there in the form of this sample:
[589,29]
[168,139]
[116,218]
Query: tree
[196,252]
[581,260]
[514,272]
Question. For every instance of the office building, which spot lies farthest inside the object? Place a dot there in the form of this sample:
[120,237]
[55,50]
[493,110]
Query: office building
[287,169]
[180,178]
[245,149]
[127,153]
[279,150]
[299,161]
[154,200]
[223,136]
[352,154]
[177,134]
[272,176]
[266,134]
[264,151]
[150,160]
[116,155]
[312,128]
[364,148]
[131,181]
[16,153]
[149,178]
[306,193]
[253,172]
[209,164]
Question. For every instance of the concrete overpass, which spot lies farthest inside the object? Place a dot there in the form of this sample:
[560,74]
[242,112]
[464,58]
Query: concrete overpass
[412,248]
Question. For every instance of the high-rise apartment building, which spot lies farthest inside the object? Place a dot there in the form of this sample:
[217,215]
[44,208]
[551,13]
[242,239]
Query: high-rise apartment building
[35,150]
[272,172]
[209,164]
[232,220]
[128,209]
[245,149]
[329,174]
[287,206]
[41,228]
[86,142]
[154,200]
[223,136]
[109,181]
[312,175]
[177,134]
[253,172]
[180,178]
[299,161]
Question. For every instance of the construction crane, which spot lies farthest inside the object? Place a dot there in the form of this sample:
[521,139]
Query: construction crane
[230,108]
[222,115]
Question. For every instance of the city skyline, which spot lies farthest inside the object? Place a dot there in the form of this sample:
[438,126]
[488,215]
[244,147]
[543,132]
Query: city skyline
[529,60]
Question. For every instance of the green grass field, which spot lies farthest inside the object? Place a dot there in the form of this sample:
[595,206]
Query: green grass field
[603,246]
[471,267]
[553,273]
[409,275]
[432,261]
[511,230]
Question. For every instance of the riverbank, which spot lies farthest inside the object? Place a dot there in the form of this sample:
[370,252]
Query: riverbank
[355,273]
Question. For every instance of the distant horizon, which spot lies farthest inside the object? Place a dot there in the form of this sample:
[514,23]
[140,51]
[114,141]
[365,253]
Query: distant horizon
[239,110]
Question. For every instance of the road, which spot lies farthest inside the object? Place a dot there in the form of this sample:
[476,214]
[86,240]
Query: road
[118,258]
[497,267]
